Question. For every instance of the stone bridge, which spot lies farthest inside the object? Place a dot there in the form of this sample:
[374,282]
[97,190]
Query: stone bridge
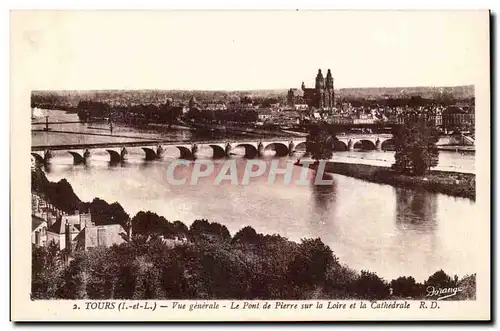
[118,152]
[363,142]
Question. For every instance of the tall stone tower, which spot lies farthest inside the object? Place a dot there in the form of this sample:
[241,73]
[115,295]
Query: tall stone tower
[330,92]
[320,89]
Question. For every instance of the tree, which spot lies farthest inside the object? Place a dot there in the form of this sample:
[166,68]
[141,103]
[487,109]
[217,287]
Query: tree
[247,235]
[104,213]
[46,271]
[59,194]
[146,223]
[311,263]
[370,286]
[320,143]
[468,284]
[441,280]
[415,144]
[205,228]
[406,287]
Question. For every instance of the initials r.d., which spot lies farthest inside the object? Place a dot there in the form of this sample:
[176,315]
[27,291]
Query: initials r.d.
[423,305]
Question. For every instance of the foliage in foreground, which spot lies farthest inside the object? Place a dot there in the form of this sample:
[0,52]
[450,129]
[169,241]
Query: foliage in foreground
[212,264]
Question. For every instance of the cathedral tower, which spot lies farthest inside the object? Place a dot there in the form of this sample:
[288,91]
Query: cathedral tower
[320,89]
[329,93]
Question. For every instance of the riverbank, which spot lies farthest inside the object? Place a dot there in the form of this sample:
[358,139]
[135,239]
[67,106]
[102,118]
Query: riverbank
[450,183]
[458,149]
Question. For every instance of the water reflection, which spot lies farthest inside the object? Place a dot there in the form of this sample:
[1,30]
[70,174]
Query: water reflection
[323,195]
[416,210]
[323,206]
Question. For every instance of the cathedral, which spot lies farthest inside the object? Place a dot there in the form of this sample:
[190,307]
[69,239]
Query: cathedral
[322,96]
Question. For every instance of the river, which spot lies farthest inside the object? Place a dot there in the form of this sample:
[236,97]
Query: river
[391,231]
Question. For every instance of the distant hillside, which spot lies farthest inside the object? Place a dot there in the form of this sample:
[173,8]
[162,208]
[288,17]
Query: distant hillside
[71,98]
[457,92]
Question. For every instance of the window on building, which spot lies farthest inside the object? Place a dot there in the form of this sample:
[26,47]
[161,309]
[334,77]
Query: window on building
[101,237]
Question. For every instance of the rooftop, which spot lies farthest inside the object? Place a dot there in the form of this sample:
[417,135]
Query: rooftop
[60,228]
[36,222]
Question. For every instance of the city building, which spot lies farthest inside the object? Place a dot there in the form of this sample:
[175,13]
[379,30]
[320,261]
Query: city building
[62,233]
[99,236]
[76,232]
[38,231]
[295,97]
[264,114]
[175,241]
[43,209]
[458,118]
[300,107]
[322,96]
[215,106]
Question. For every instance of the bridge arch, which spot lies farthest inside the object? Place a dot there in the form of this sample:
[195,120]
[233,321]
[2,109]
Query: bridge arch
[387,145]
[364,144]
[114,156]
[77,158]
[219,152]
[186,153]
[250,150]
[150,153]
[38,158]
[280,148]
[301,147]
[339,146]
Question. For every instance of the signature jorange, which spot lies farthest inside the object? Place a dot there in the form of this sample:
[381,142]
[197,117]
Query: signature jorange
[443,293]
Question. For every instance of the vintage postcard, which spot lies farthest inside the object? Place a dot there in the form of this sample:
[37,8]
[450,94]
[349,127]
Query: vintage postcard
[250,165]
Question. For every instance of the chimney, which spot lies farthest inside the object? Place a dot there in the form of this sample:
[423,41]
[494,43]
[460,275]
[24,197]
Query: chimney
[37,238]
[67,235]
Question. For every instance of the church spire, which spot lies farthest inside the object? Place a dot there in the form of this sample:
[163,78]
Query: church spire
[320,80]
[329,80]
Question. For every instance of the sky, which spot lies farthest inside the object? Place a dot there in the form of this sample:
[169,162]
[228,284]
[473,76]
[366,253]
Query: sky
[228,50]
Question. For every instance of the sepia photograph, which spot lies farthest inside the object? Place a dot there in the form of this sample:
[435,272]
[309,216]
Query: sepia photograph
[221,161]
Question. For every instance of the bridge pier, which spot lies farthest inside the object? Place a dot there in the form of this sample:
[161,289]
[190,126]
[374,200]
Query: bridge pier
[378,145]
[291,148]
[159,151]
[123,154]
[194,150]
[227,149]
[260,149]
[350,145]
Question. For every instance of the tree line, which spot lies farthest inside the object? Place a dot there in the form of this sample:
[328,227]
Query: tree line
[244,116]
[162,113]
[412,101]
[212,264]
